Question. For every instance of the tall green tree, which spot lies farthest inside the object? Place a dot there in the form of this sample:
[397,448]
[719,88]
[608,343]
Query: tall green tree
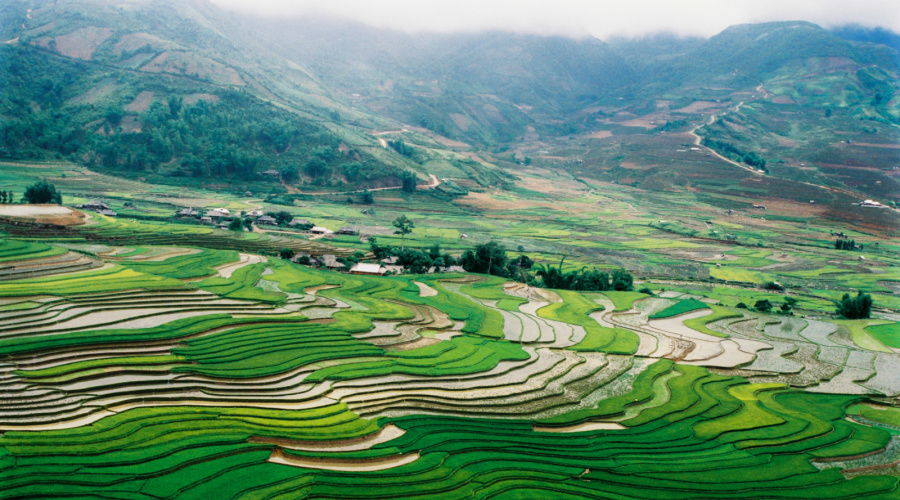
[43,192]
[404,226]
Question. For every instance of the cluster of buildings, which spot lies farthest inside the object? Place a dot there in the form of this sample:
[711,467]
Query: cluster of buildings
[380,268]
[99,207]
[215,217]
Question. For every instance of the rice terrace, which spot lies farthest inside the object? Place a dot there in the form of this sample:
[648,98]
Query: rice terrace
[237,269]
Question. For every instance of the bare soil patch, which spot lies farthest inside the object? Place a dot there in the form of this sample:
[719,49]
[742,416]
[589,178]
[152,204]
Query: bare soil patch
[602,134]
[871,145]
[279,457]
[582,427]
[183,63]
[192,99]
[640,123]
[425,290]
[43,214]
[79,44]
[140,103]
[783,99]
[104,88]
[460,121]
[697,107]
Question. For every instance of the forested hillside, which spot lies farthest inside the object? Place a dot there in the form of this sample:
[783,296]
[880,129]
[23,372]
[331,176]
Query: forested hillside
[184,90]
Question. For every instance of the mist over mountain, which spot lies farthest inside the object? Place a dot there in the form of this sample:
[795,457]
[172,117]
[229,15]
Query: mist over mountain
[142,85]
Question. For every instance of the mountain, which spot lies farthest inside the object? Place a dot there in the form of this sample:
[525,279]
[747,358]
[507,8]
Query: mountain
[182,91]
[879,36]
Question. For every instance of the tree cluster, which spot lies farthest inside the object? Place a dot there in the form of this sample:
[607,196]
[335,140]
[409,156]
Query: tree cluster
[589,280]
[402,148]
[235,138]
[282,217]
[409,182]
[413,260]
[846,244]
[859,307]
[42,192]
[7,197]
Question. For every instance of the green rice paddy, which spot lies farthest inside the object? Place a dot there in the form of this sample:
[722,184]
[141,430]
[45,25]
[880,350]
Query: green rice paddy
[150,359]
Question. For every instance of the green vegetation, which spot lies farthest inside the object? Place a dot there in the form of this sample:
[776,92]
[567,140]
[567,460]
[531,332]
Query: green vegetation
[149,356]
[42,192]
[679,308]
[859,307]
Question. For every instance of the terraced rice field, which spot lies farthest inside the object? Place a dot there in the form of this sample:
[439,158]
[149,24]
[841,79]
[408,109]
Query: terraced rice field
[169,371]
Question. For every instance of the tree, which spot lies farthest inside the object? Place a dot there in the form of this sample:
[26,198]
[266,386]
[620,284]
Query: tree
[286,253]
[289,174]
[367,198]
[236,224]
[622,280]
[42,192]
[3,197]
[316,167]
[859,307]
[409,182]
[281,217]
[404,226]
[415,261]
[402,148]
[763,305]
[488,258]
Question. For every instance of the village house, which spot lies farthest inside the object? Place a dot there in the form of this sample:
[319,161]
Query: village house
[330,261]
[255,213]
[94,205]
[218,213]
[107,212]
[267,220]
[321,231]
[187,212]
[348,231]
[299,222]
[370,269]
[300,257]
[271,173]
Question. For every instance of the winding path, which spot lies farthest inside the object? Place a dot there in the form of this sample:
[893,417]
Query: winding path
[698,138]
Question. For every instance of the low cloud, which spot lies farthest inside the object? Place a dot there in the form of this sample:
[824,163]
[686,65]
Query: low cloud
[580,17]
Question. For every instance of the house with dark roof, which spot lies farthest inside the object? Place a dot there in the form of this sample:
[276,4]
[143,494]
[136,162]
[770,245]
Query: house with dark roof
[95,205]
[348,231]
[299,222]
[267,219]
[187,212]
[330,261]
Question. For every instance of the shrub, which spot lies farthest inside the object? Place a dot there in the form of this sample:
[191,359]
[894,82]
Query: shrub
[286,253]
[646,290]
[763,305]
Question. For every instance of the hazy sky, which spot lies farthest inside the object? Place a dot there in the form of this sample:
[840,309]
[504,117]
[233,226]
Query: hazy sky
[601,18]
